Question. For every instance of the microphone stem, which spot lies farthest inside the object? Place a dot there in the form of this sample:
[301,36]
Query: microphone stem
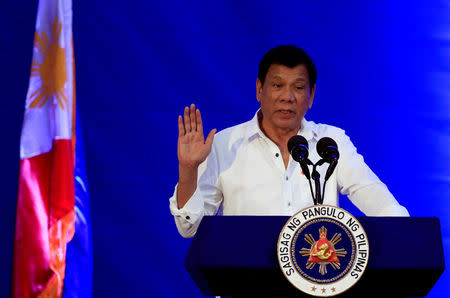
[316,176]
[312,192]
[317,184]
[330,170]
[323,191]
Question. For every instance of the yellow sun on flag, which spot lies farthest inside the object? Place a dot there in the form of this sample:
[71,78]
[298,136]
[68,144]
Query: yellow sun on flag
[52,70]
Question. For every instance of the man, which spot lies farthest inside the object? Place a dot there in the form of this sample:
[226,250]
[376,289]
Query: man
[247,169]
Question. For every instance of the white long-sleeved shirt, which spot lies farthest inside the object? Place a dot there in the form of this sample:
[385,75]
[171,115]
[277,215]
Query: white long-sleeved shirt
[245,173]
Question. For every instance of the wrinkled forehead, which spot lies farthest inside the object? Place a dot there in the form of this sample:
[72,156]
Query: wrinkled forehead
[282,72]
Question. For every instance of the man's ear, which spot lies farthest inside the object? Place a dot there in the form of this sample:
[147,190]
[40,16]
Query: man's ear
[258,89]
[311,96]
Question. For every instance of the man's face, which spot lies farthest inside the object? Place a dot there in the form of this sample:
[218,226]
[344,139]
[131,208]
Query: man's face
[285,97]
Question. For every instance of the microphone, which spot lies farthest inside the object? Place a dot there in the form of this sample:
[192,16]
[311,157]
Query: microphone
[298,148]
[328,150]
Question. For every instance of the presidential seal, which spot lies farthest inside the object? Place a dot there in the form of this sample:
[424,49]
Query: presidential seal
[323,250]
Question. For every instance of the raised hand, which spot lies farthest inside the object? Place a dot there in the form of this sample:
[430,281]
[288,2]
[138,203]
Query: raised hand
[192,151]
[192,146]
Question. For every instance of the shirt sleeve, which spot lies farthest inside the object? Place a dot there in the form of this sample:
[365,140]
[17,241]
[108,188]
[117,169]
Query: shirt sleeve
[206,199]
[357,181]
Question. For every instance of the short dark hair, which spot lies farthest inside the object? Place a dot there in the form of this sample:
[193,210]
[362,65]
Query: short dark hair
[290,56]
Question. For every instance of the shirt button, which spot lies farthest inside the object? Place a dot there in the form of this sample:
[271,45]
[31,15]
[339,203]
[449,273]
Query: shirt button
[276,154]
[289,204]
[287,178]
[188,217]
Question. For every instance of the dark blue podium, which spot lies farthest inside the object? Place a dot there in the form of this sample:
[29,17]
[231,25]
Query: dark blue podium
[236,256]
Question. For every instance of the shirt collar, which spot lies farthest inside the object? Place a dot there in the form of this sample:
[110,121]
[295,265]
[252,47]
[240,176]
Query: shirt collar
[308,129]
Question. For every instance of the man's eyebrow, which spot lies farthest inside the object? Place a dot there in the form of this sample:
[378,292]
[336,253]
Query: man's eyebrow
[299,79]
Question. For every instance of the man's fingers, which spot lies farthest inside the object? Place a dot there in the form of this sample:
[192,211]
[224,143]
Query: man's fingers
[198,119]
[181,130]
[192,118]
[210,137]
[187,120]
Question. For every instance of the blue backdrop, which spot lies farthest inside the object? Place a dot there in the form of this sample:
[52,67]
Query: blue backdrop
[383,76]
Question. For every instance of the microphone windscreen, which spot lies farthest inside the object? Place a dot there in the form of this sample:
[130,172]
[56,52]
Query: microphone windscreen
[327,147]
[297,140]
[298,148]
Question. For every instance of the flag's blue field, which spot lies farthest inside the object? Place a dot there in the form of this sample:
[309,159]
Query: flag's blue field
[383,76]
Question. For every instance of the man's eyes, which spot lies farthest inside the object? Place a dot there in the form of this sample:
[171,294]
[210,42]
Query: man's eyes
[278,86]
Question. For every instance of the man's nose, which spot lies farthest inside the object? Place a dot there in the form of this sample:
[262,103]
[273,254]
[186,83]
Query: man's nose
[288,95]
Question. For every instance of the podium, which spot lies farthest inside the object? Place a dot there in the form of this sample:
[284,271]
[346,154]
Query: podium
[236,256]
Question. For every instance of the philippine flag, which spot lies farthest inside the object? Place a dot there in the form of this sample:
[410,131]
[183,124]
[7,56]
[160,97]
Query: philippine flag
[52,218]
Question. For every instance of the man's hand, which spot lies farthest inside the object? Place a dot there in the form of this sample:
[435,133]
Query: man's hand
[193,149]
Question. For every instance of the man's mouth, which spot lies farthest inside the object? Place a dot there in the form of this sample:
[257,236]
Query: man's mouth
[286,112]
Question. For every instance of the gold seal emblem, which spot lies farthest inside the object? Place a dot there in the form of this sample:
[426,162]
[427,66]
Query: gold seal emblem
[322,251]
